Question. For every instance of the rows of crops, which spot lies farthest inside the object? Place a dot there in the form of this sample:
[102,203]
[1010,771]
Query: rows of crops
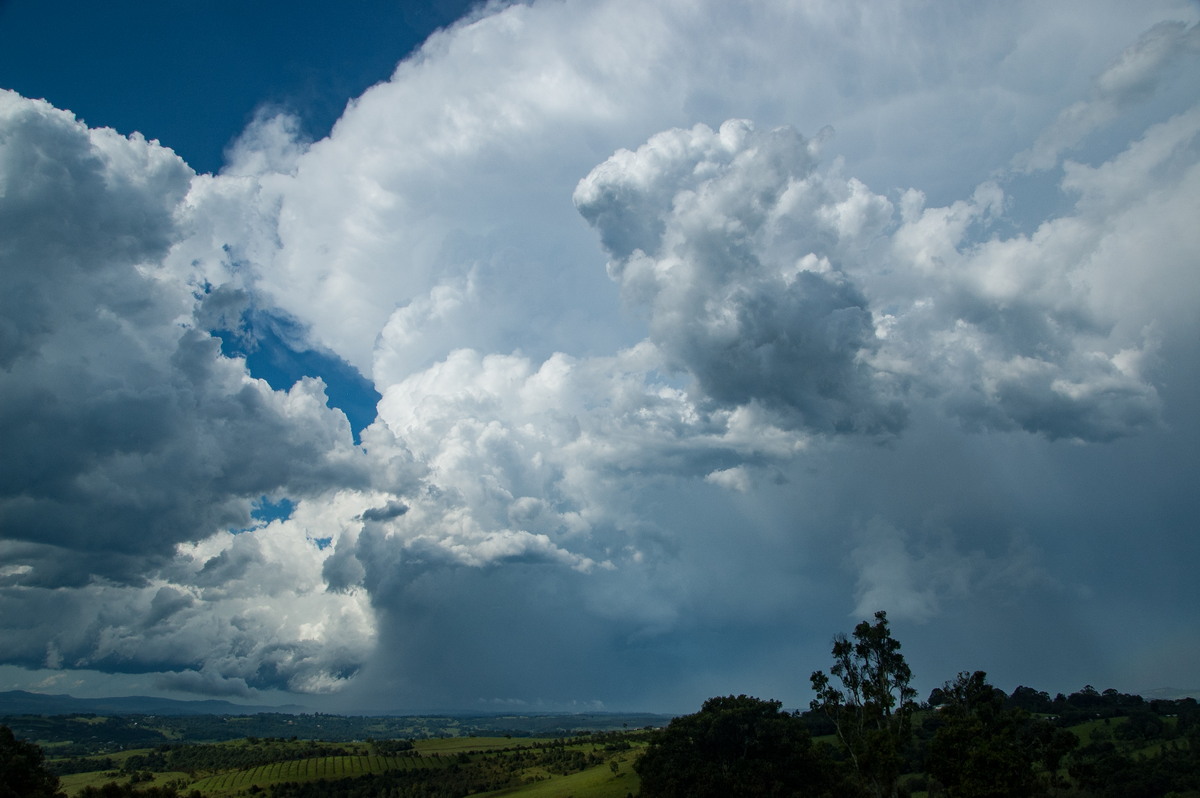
[326,767]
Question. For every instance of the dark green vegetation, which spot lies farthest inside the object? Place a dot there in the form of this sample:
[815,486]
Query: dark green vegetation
[22,771]
[737,746]
[872,711]
[865,734]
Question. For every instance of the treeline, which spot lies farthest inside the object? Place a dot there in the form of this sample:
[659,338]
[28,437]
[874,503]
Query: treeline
[866,734]
[1088,703]
[88,734]
[83,735]
[192,758]
[115,790]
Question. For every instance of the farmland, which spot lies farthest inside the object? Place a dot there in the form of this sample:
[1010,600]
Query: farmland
[1106,745]
[234,782]
[592,763]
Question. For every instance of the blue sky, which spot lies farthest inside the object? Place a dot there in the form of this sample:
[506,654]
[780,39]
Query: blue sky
[602,354]
[192,74]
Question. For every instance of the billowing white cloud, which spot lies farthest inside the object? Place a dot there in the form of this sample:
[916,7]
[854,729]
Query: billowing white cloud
[229,614]
[734,245]
[804,353]
[129,438]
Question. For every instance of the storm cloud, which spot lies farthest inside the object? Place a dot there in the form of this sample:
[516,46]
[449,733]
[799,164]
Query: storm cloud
[698,331]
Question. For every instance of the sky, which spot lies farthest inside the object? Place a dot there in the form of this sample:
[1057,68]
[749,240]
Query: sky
[605,355]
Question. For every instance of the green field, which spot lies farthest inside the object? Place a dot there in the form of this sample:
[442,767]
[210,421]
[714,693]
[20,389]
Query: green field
[76,782]
[597,782]
[539,767]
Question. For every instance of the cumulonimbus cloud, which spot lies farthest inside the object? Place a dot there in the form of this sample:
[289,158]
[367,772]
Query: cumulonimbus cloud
[597,449]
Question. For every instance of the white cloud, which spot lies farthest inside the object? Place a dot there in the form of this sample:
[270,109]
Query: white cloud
[130,434]
[568,472]
[1133,77]
[734,245]
[913,576]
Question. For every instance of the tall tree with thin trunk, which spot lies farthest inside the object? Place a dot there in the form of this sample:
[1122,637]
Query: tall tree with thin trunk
[872,711]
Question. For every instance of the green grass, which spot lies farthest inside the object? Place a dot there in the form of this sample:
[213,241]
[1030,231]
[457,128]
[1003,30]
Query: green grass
[92,721]
[597,782]
[230,782]
[76,782]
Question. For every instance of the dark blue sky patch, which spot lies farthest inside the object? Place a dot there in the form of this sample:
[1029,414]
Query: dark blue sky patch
[182,74]
[267,511]
[275,351]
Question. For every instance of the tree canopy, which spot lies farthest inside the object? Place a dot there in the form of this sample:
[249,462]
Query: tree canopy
[734,747]
[873,709]
[22,772]
[985,749]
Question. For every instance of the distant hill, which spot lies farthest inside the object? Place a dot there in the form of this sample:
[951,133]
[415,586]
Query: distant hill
[1170,694]
[20,702]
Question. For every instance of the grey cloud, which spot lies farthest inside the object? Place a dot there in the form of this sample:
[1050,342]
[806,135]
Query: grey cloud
[129,437]
[69,213]
[1089,401]
[393,509]
[1056,333]
[343,570]
[1136,75]
[224,571]
[590,510]
[131,431]
[734,246]
[202,683]
[254,615]
[166,602]
[761,275]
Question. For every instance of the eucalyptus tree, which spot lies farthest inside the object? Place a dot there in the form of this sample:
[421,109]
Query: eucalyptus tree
[872,710]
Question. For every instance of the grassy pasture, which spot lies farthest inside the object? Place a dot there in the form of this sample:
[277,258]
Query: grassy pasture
[596,782]
[74,783]
[352,760]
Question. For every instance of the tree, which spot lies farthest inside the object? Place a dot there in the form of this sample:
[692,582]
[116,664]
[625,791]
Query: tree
[984,749]
[22,773]
[734,747]
[873,710]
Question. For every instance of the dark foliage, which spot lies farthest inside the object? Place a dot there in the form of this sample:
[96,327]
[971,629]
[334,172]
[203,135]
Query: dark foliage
[984,748]
[191,758]
[872,711]
[734,747]
[22,772]
[968,741]
[115,790]
[65,767]
[1101,771]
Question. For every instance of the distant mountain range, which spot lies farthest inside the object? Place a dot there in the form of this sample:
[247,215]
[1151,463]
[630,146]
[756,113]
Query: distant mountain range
[20,702]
